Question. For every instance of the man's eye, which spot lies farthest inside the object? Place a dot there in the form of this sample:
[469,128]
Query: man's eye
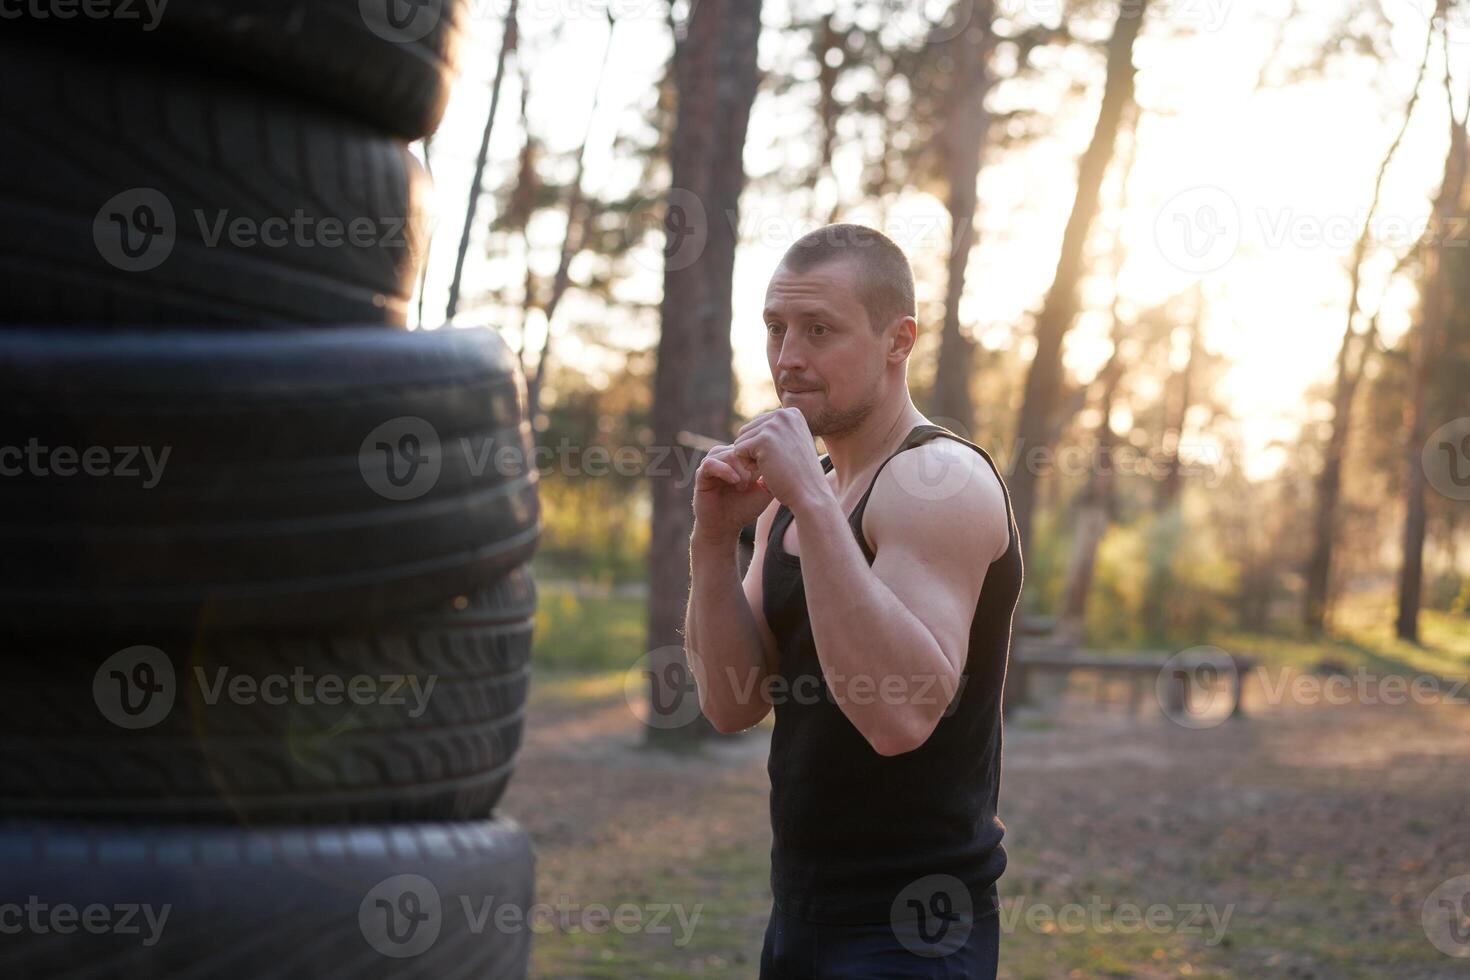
[772,327]
[819,327]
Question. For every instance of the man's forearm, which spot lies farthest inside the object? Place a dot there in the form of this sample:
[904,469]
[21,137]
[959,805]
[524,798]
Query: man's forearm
[721,638]
[886,670]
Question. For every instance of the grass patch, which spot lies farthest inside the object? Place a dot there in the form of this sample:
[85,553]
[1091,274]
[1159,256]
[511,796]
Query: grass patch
[1320,924]
[1363,636]
[563,689]
[1089,930]
[724,899]
[590,634]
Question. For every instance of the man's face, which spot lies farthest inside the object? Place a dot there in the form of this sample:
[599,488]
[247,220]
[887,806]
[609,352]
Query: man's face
[825,358]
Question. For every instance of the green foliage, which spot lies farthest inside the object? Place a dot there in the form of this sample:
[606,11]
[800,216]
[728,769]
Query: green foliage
[585,634]
[594,491]
[1448,590]
[1362,635]
[1044,553]
[1161,570]
[1117,590]
[595,529]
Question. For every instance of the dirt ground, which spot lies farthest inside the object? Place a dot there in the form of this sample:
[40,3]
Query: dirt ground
[1301,841]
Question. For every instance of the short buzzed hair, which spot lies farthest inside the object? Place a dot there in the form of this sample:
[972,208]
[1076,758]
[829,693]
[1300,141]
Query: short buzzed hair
[885,280]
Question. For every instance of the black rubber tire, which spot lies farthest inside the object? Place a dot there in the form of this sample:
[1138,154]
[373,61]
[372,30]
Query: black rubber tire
[273,507]
[387,63]
[269,902]
[133,193]
[429,732]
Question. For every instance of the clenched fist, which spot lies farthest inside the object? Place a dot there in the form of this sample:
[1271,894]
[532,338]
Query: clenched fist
[780,447]
[728,494]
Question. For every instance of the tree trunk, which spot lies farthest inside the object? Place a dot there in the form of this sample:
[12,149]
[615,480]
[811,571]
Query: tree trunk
[1167,511]
[1044,378]
[1169,487]
[717,75]
[1095,508]
[522,204]
[964,140]
[1329,481]
[507,45]
[1434,314]
[579,220]
[429,245]
[1092,524]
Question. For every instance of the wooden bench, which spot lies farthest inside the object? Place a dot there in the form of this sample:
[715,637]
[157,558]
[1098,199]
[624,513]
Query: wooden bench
[1140,666]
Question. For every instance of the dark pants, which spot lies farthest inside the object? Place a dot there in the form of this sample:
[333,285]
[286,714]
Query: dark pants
[799,950]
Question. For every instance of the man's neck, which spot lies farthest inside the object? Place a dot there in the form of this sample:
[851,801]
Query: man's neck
[875,440]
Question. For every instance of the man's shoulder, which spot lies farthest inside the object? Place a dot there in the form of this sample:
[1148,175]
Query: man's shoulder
[943,487]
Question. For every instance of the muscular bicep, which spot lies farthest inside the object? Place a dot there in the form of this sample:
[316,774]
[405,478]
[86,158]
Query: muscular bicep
[754,586]
[937,519]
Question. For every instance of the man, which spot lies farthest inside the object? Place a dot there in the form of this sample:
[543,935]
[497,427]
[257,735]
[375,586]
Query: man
[875,618]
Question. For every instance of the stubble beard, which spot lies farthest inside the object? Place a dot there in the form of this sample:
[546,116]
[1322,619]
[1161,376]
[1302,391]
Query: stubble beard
[838,422]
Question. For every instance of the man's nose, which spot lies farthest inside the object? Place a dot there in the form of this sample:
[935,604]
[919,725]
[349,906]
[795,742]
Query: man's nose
[792,358]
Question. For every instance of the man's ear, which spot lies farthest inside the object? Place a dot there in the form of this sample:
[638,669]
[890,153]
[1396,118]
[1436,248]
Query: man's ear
[905,335]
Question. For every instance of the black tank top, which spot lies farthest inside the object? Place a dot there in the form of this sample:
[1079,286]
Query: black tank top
[851,829]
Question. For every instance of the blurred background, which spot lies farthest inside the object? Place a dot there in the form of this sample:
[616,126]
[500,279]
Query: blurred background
[1195,272]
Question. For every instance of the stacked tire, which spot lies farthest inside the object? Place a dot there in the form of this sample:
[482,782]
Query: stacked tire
[266,599]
